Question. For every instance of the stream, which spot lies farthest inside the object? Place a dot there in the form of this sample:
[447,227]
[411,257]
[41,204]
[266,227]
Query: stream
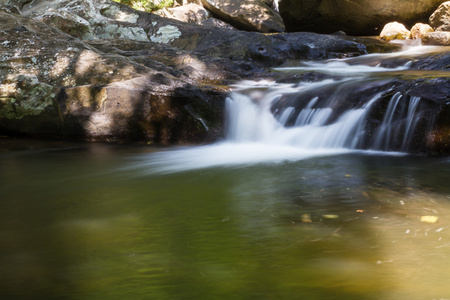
[294,203]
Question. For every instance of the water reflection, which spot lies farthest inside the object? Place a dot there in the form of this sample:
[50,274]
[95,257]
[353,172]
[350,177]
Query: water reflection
[76,224]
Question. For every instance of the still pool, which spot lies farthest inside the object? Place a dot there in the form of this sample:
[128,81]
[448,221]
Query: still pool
[94,221]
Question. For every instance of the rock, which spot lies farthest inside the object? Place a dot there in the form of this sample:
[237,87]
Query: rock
[362,17]
[54,84]
[217,23]
[110,20]
[440,19]
[419,29]
[250,15]
[96,69]
[395,31]
[190,13]
[439,38]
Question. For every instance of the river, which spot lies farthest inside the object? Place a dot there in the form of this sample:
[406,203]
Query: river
[272,212]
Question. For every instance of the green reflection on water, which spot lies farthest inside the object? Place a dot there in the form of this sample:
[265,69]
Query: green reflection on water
[73,225]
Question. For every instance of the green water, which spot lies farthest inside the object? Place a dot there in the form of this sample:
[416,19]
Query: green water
[76,224]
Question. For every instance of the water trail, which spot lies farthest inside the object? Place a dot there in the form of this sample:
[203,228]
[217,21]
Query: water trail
[411,121]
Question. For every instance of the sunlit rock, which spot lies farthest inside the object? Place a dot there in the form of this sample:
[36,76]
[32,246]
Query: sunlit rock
[440,19]
[395,31]
[419,29]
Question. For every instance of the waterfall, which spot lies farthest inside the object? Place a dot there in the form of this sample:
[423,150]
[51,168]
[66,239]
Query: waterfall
[359,106]
[323,122]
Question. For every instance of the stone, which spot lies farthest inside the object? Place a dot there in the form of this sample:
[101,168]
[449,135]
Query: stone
[419,29]
[440,19]
[438,38]
[361,18]
[250,15]
[395,31]
[52,84]
[190,13]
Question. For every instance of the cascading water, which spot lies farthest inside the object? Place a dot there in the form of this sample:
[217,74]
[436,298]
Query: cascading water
[358,105]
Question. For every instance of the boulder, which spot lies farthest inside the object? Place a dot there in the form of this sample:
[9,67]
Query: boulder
[363,17]
[53,84]
[250,15]
[395,31]
[190,13]
[438,38]
[420,29]
[440,19]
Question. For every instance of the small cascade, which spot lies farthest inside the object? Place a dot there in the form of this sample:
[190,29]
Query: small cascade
[336,118]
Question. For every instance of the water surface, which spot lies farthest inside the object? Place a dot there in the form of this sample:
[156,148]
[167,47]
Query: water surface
[106,222]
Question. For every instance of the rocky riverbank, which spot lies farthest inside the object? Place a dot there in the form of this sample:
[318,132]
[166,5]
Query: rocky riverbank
[100,70]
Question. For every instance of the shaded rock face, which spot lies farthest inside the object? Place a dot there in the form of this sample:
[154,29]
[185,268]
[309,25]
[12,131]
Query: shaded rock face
[364,17]
[251,15]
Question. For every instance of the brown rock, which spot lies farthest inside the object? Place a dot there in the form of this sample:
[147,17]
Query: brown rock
[438,38]
[440,19]
[419,29]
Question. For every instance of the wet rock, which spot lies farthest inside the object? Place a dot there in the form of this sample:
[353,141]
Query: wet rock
[363,17]
[251,15]
[419,29]
[395,31]
[439,38]
[440,19]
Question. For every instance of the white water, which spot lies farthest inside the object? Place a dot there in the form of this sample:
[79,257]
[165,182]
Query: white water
[255,134]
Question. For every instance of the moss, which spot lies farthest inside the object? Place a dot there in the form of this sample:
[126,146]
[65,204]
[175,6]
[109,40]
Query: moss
[30,98]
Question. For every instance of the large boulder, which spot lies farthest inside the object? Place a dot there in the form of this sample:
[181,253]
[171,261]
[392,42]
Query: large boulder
[440,19]
[53,84]
[363,17]
[251,15]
